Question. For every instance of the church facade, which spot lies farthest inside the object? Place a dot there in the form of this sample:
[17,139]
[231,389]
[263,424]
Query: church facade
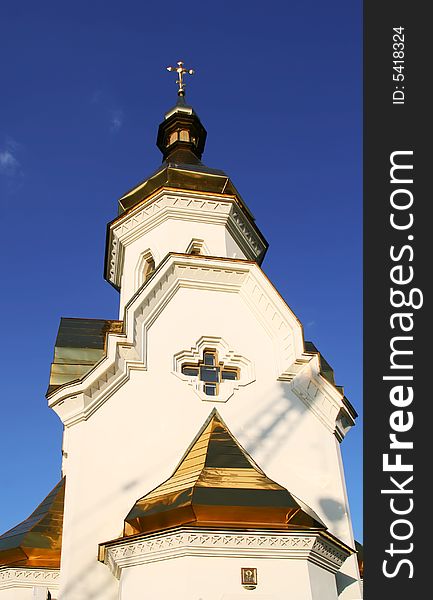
[201,447]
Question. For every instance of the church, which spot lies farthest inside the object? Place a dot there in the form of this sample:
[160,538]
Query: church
[201,447]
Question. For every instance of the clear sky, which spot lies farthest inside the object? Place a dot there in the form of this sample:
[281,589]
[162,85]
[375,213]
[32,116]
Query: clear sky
[84,87]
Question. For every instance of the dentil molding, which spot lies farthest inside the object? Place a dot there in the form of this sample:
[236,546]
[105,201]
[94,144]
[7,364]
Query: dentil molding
[309,546]
[187,206]
[129,351]
[25,577]
[77,401]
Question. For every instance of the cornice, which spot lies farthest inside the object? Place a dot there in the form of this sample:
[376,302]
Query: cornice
[322,398]
[129,350]
[24,577]
[184,206]
[308,546]
[77,401]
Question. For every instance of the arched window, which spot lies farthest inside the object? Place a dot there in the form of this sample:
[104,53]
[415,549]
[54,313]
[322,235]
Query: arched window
[149,267]
[173,136]
[184,135]
[144,269]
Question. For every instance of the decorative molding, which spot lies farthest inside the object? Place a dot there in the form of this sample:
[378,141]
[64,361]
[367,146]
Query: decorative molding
[145,258]
[225,355]
[197,244]
[326,553]
[343,423]
[322,398]
[116,262]
[26,577]
[77,401]
[308,546]
[243,233]
[189,206]
[279,321]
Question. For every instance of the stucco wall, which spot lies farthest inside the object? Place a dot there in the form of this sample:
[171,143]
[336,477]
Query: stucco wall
[136,438]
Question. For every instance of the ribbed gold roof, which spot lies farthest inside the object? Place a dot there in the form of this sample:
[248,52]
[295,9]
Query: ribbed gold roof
[80,344]
[37,541]
[218,484]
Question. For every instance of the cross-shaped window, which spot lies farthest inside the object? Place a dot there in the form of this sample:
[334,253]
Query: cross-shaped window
[211,372]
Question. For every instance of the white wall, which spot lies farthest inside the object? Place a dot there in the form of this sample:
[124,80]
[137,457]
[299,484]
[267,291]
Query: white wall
[16,594]
[173,235]
[27,593]
[322,583]
[135,440]
[210,578]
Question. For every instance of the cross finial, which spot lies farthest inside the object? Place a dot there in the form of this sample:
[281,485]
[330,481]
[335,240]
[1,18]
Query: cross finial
[181,71]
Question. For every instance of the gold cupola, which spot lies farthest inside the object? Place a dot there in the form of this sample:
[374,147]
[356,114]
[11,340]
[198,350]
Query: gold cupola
[181,136]
[217,484]
[37,541]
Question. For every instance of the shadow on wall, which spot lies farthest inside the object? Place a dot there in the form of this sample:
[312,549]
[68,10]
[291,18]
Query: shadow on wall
[259,428]
[269,416]
[333,510]
[343,581]
[266,432]
[267,419]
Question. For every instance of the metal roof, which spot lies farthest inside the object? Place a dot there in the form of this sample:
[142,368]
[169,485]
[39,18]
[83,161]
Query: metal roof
[37,541]
[80,344]
[217,483]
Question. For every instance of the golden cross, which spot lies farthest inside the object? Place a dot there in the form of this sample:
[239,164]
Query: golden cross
[180,70]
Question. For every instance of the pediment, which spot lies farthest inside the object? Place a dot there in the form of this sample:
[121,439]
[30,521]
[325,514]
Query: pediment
[128,351]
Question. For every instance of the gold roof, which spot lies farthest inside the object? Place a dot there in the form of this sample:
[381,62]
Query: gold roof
[37,541]
[218,484]
[80,345]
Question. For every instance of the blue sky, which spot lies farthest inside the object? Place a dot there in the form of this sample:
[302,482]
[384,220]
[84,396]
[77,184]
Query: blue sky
[84,87]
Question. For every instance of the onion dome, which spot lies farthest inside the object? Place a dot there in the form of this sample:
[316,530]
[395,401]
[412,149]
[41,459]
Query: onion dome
[181,139]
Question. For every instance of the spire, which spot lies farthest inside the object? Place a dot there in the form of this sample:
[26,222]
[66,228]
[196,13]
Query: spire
[181,136]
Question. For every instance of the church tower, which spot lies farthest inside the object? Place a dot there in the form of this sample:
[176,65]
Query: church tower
[201,448]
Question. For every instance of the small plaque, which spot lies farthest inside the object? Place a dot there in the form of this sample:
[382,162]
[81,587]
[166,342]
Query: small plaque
[249,577]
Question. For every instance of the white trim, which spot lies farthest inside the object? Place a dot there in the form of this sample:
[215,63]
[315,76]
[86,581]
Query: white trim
[139,269]
[75,402]
[184,206]
[308,546]
[27,577]
[200,244]
[225,355]
[321,397]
